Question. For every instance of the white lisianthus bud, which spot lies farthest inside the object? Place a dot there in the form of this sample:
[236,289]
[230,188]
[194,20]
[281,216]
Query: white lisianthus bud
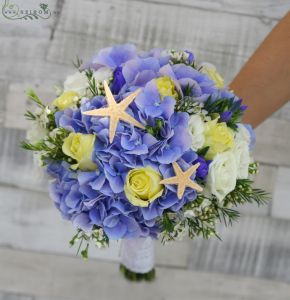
[196,130]
[77,82]
[222,175]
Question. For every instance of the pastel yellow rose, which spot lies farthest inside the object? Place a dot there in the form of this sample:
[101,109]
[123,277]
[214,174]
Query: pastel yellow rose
[66,100]
[166,87]
[80,147]
[218,137]
[211,71]
[143,186]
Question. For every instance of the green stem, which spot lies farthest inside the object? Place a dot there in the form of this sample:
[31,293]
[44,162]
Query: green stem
[132,276]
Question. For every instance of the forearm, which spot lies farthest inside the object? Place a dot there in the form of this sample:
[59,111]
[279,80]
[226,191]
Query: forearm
[264,81]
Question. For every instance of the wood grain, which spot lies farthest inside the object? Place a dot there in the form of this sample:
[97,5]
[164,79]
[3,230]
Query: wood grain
[57,277]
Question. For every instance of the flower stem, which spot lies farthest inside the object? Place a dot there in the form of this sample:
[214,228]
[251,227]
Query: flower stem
[132,276]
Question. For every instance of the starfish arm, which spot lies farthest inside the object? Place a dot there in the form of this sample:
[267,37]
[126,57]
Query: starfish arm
[194,186]
[191,170]
[128,100]
[180,190]
[129,119]
[109,96]
[113,127]
[101,112]
[170,180]
[177,168]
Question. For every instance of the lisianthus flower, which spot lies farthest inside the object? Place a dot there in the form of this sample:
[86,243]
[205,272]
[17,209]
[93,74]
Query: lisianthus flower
[222,175]
[196,130]
[103,73]
[78,83]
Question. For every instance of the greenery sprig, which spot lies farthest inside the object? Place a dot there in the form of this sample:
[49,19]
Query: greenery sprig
[199,218]
[31,94]
[244,193]
[50,147]
[97,236]
[217,107]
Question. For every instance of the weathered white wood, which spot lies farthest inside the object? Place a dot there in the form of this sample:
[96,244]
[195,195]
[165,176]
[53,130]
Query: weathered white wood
[227,43]
[3,92]
[265,179]
[30,28]
[273,142]
[253,246]
[34,71]
[17,167]
[13,296]
[260,8]
[283,113]
[57,277]
[281,197]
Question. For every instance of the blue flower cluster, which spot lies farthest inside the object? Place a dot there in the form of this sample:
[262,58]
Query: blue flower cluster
[96,198]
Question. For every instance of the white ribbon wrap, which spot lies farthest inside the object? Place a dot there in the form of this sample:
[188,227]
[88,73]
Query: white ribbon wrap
[137,255]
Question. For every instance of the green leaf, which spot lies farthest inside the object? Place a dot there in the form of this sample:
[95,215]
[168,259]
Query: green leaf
[85,252]
[203,151]
[32,96]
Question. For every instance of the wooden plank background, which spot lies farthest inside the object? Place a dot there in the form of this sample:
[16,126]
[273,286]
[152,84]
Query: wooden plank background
[38,54]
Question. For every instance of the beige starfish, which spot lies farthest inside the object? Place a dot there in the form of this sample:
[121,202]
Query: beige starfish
[182,179]
[115,111]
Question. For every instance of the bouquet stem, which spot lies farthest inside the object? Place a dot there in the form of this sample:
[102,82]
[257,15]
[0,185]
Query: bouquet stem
[137,259]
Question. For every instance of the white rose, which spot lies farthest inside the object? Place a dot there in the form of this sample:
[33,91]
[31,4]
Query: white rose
[196,130]
[104,73]
[222,175]
[77,82]
[243,134]
[242,155]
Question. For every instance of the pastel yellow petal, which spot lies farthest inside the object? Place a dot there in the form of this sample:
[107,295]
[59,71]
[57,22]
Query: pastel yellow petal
[66,100]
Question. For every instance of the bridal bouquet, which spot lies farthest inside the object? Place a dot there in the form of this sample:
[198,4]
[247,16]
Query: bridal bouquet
[144,145]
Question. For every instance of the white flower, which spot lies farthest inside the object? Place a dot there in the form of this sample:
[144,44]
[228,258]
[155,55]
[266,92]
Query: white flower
[222,175]
[243,134]
[104,73]
[189,214]
[196,130]
[77,82]
[243,159]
